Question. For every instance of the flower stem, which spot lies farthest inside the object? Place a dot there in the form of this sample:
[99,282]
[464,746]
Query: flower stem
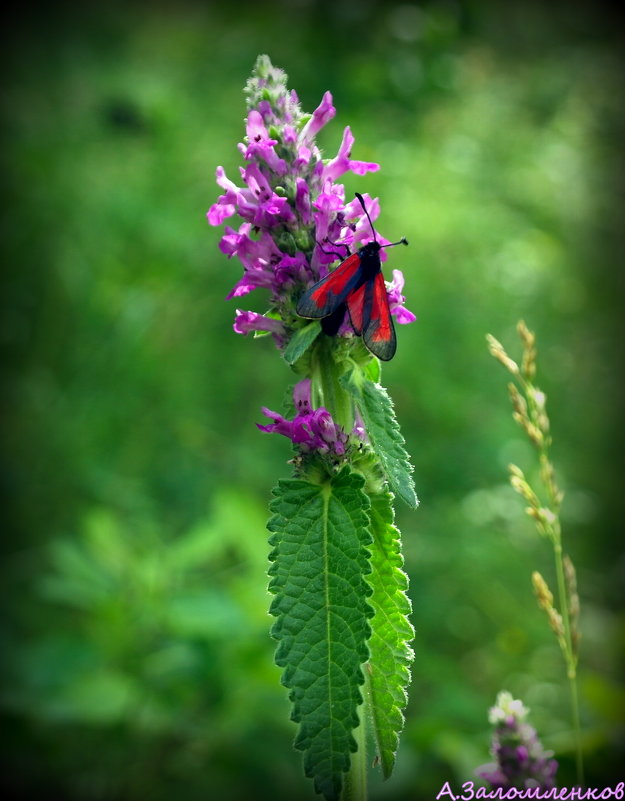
[326,387]
[568,649]
[571,667]
[355,788]
[579,759]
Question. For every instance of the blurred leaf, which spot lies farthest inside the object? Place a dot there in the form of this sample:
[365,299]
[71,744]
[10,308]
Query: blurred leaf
[205,614]
[102,697]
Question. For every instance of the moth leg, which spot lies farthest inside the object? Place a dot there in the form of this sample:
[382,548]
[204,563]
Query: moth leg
[333,252]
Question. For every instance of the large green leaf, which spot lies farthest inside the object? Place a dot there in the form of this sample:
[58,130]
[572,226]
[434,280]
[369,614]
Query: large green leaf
[382,427]
[392,632]
[320,557]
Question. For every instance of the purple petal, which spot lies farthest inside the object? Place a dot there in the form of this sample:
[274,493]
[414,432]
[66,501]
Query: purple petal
[323,425]
[247,321]
[321,115]
[260,145]
[342,163]
[279,426]
[219,212]
[302,201]
[301,396]
[396,299]
[359,429]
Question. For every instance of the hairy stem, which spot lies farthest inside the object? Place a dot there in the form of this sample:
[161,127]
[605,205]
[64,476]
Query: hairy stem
[355,788]
[326,387]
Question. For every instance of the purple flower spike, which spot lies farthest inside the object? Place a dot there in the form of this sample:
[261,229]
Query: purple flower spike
[311,431]
[521,761]
[293,218]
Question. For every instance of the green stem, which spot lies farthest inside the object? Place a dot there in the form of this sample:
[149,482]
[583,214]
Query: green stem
[579,759]
[556,538]
[327,391]
[571,668]
[564,606]
[355,788]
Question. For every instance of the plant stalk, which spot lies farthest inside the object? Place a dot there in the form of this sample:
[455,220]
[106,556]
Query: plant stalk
[571,668]
[327,391]
[355,788]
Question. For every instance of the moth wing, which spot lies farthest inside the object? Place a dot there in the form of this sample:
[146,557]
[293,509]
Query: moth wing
[328,294]
[356,305]
[378,329]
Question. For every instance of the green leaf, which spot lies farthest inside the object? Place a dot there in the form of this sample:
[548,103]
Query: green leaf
[319,560]
[301,341]
[386,439]
[373,370]
[391,655]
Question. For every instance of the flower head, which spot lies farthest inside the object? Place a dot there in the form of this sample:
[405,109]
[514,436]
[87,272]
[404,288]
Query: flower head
[311,430]
[521,762]
[287,200]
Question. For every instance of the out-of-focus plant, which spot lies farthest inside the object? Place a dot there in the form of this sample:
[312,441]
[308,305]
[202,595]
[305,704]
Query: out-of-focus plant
[149,623]
[529,405]
[336,566]
[520,759]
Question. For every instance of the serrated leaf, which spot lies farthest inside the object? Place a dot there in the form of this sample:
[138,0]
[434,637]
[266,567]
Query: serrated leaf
[386,439]
[320,557]
[301,341]
[391,632]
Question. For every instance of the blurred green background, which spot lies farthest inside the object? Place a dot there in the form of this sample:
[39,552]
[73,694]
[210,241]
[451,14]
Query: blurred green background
[137,663]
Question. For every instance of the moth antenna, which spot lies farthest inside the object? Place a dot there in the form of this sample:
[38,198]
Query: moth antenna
[402,241]
[364,208]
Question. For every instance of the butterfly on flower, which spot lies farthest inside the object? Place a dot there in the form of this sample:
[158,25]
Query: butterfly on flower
[357,287]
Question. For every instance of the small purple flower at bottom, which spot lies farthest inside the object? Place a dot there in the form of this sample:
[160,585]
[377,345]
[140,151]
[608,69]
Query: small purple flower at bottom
[521,761]
[310,430]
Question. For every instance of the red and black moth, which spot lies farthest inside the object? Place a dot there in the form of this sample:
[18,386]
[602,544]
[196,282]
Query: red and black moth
[356,286]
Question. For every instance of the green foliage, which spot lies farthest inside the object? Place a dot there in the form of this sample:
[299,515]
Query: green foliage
[388,670]
[126,391]
[301,341]
[388,443]
[320,540]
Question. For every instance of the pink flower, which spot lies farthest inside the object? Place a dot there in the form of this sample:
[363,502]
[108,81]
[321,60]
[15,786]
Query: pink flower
[396,299]
[247,321]
[320,117]
[309,430]
[342,162]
